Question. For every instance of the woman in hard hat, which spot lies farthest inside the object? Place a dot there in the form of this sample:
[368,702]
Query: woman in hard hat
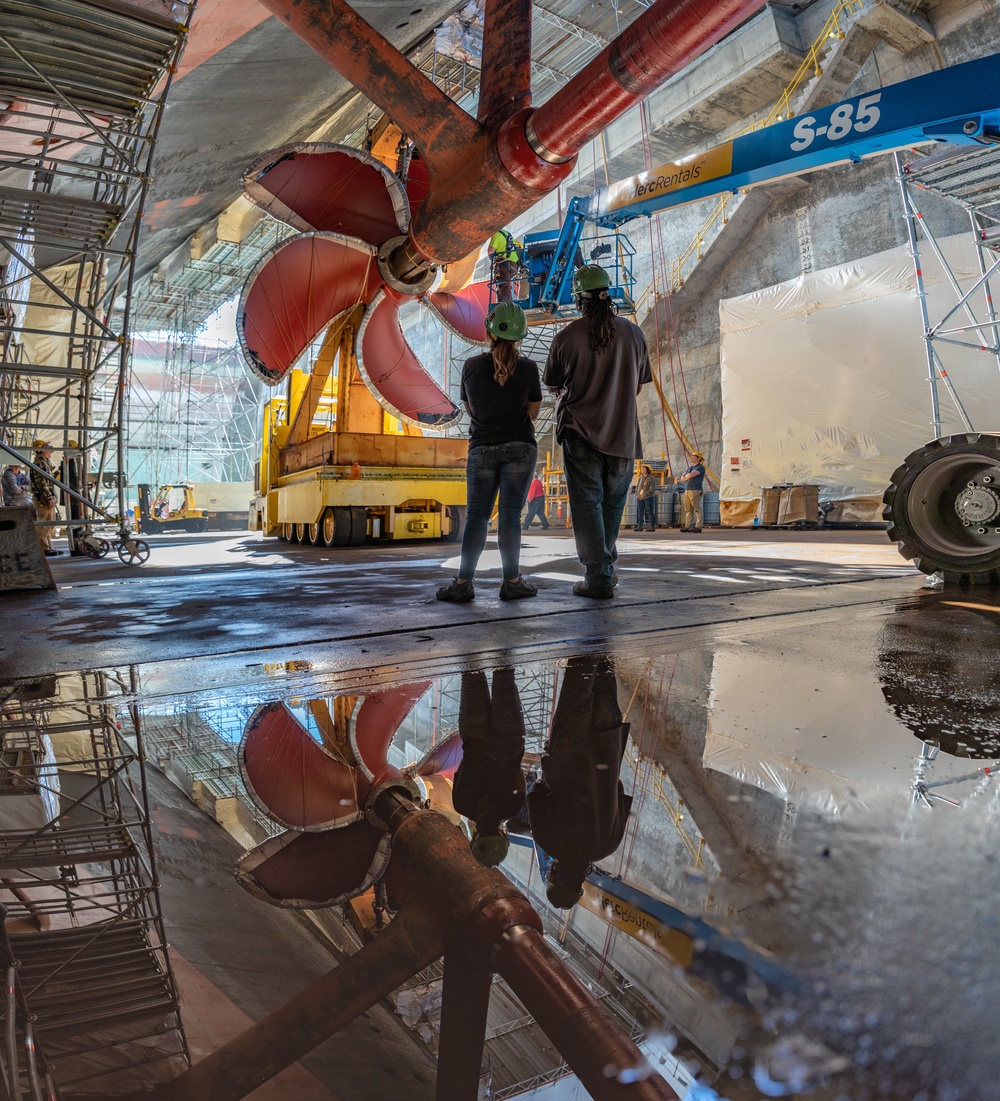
[502,393]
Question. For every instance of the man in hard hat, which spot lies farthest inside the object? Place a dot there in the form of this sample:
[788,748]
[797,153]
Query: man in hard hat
[693,479]
[44,493]
[506,261]
[596,367]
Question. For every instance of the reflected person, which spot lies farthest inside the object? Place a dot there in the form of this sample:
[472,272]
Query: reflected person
[489,783]
[579,808]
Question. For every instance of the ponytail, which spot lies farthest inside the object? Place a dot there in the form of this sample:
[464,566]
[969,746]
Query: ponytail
[505,356]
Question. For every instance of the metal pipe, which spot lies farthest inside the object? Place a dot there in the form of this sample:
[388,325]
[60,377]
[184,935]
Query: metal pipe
[14,1063]
[412,941]
[660,43]
[602,1056]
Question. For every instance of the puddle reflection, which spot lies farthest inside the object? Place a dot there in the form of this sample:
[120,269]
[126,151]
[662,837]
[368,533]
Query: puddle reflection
[773,855]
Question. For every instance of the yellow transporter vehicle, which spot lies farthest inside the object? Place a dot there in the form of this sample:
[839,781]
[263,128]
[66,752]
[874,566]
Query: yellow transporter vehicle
[335,468]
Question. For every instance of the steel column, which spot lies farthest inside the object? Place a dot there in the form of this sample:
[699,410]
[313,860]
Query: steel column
[465,1000]
[505,81]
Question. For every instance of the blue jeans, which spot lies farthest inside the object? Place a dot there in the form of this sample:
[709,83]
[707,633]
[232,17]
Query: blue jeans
[645,512]
[505,469]
[535,508]
[597,485]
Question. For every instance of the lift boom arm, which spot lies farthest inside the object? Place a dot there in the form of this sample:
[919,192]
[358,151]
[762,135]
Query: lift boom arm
[957,104]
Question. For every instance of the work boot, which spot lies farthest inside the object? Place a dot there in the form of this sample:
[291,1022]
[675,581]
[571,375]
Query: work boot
[517,589]
[458,592]
[595,590]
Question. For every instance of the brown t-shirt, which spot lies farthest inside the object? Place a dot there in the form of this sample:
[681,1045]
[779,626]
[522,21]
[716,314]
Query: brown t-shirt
[597,390]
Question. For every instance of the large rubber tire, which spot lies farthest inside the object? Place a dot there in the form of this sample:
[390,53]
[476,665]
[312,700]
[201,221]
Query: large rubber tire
[359,526]
[193,526]
[316,534]
[203,525]
[302,534]
[943,508]
[149,526]
[456,513]
[328,528]
[936,669]
[291,535]
[342,527]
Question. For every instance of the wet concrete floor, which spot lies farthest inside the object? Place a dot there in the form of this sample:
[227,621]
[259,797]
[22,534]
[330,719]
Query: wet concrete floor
[766,764]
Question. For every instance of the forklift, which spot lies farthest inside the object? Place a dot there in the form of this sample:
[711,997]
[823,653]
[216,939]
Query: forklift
[172,509]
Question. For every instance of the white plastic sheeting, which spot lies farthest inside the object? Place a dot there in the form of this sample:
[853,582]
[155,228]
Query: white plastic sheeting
[824,378]
[831,744]
[461,35]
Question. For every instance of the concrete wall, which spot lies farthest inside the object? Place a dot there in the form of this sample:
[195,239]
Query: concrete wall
[838,215]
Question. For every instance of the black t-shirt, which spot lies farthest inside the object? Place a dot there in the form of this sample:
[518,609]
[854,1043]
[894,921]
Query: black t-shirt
[500,413]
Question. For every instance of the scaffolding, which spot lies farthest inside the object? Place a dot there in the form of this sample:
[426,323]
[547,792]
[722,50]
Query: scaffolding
[95,1007]
[968,175]
[82,91]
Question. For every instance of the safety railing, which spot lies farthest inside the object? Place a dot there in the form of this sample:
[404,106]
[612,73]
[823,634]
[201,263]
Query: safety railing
[21,1057]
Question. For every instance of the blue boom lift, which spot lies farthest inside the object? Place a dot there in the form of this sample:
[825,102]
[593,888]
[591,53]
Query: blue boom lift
[944,502]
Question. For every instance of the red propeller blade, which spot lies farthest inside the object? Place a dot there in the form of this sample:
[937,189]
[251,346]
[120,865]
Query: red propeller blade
[313,185]
[293,778]
[375,725]
[306,871]
[296,292]
[393,373]
[442,760]
[464,311]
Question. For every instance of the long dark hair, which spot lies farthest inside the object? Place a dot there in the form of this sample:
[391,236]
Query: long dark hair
[505,356]
[600,309]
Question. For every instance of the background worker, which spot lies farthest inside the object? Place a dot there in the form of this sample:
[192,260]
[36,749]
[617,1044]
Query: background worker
[502,394]
[645,499]
[536,504]
[16,487]
[693,479]
[506,263]
[44,493]
[596,367]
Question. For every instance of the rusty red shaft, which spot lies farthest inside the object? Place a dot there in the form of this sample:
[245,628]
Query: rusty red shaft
[591,1041]
[661,42]
[486,173]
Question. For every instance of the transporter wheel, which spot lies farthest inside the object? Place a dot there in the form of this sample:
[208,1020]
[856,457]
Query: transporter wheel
[341,527]
[192,526]
[456,514]
[290,535]
[302,533]
[359,526]
[328,528]
[943,508]
[133,552]
[315,534]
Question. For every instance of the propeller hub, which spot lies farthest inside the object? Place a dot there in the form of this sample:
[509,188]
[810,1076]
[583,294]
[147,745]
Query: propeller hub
[405,270]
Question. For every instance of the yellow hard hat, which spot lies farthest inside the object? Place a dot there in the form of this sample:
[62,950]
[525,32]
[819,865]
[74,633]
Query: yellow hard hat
[697,455]
[41,445]
[72,443]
